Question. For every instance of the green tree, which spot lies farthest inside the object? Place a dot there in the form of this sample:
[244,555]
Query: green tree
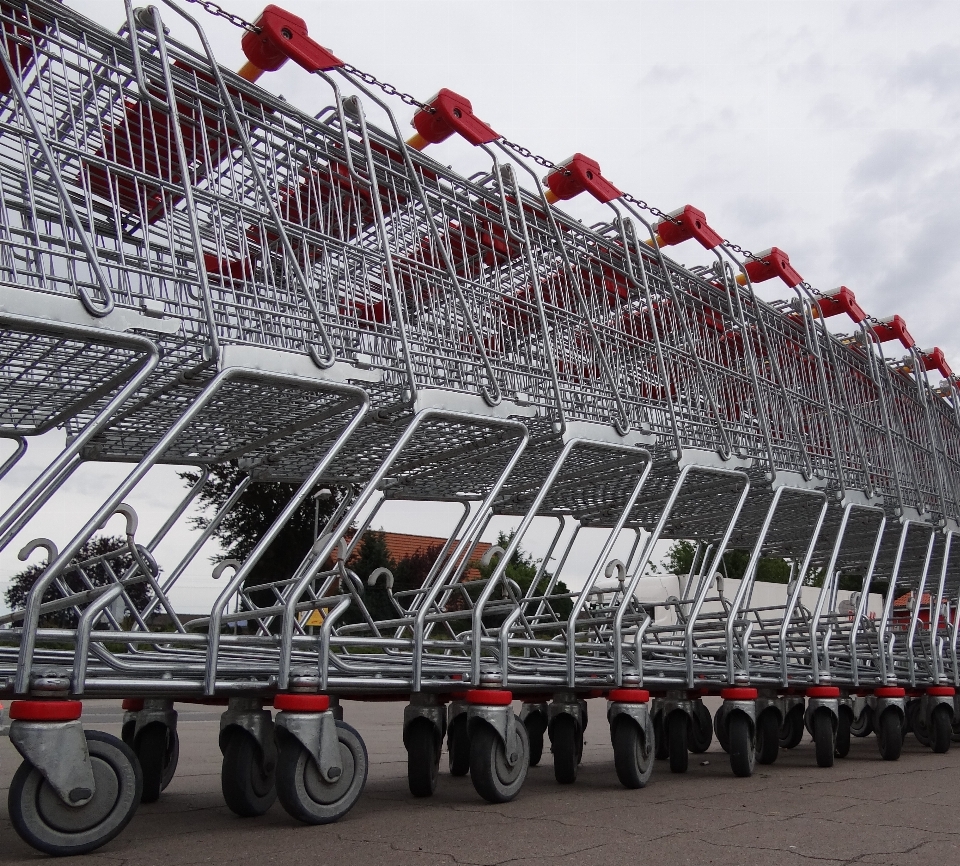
[102,559]
[680,554]
[251,516]
[522,569]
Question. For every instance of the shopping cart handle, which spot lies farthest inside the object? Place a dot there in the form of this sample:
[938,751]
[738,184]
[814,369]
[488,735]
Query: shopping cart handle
[893,328]
[682,225]
[282,36]
[934,359]
[771,263]
[450,113]
[838,301]
[579,174]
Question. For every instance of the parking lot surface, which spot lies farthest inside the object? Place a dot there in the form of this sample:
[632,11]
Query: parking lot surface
[862,811]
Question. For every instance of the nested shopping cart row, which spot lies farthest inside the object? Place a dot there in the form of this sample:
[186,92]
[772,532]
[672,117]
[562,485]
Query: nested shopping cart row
[194,272]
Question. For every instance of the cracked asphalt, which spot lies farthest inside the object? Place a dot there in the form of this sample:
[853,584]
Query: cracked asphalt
[862,810]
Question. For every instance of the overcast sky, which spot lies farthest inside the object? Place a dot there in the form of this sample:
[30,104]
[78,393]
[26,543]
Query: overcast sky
[829,129]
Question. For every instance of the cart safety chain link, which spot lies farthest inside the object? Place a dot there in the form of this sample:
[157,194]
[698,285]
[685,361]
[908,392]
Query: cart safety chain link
[220,12]
[389,89]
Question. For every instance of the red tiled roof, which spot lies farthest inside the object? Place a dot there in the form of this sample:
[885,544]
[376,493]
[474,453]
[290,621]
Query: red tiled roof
[904,600]
[401,546]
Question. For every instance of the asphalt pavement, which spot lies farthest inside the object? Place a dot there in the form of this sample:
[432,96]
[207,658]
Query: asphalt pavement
[863,810]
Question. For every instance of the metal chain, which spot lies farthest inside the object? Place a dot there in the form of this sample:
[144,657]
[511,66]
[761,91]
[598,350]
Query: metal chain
[389,89]
[526,153]
[741,251]
[653,211]
[220,12]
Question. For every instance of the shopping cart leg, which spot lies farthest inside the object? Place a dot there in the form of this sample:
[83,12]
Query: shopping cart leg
[770,718]
[499,748]
[566,722]
[889,715]
[248,775]
[738,722]
[321,763]
[534,716]
[424,727]
[150,729]
[75,790]
[821,720]
[631,732]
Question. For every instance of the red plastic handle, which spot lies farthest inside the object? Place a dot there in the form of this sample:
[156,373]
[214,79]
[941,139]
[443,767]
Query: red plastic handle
[894,328]
[580,174]
[452,113]
[772,263]
[685,223]
[839,301]
[284,36]
[934,359]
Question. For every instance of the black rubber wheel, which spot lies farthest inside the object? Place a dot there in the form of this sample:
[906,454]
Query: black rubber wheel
[158,749]
[458,746]
[768,736]
[791,730]
[494,779]
[633,750]
[305,794]
[890,735]
[423,757]
[910,712]
[956,728]
[918,723]
[249,788]
[824,737]
[941,728]
[536,725]
[127,732]
[720,729]
[700,735]
[661,744]
[44,821]
[565,739]
[841,747]
[862,725]
[677,723]
[742,748]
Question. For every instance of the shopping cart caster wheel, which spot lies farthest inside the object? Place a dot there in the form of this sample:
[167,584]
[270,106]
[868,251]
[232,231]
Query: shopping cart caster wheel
[44,821]
[492,776]
[127,732]
[249,787]
[956,731]
[158,750]
[700,735]
[305,794]
[661,744]
[941,729]
[890,735]
[917,723]
[423,743]
[536,726]
[768,736]
[862,725]
[676,725]
[458,746]
[720,730]
[791,730]
[824,737]
[633,751]
[841,747]
[566,745]
[743,753]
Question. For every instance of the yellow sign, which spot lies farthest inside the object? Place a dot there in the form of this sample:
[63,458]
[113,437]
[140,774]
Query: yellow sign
[315,618]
